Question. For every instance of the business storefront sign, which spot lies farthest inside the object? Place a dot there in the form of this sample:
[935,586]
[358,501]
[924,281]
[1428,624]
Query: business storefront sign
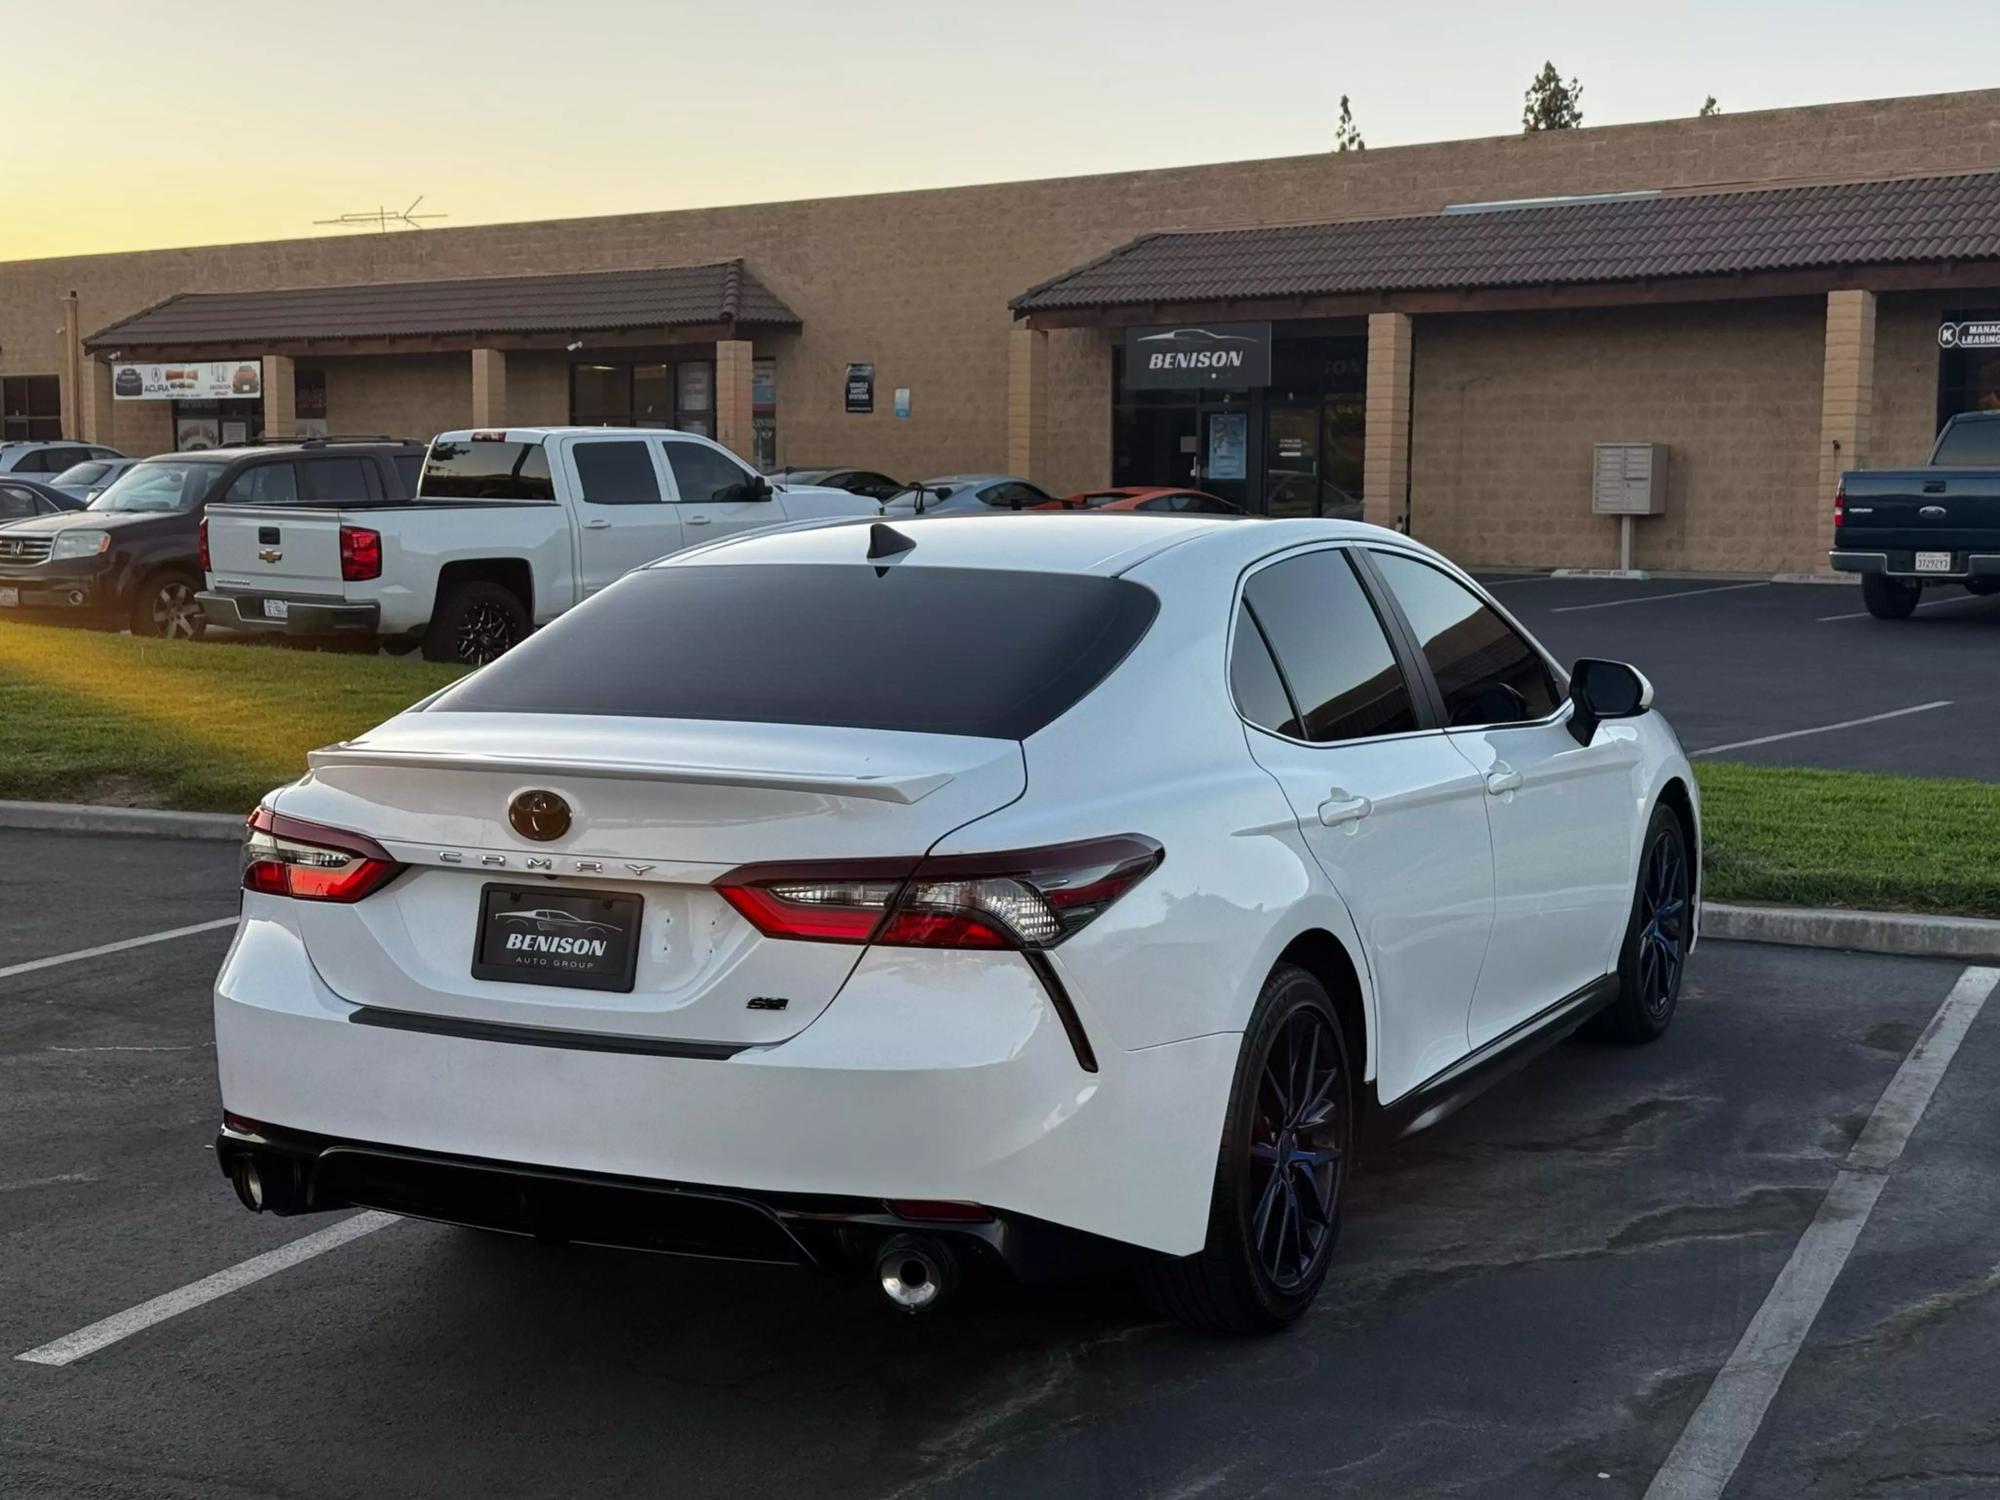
[217,380]
[1976,335]
[861,388]
[1204,356]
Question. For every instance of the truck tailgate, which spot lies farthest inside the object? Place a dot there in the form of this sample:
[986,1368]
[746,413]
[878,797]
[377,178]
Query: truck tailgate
[1946,510]
[292,550]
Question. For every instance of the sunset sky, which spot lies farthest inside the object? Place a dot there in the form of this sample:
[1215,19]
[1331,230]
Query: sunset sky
[133,124]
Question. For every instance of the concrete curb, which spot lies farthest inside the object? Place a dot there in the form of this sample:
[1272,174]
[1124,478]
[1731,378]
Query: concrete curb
[1969,938]
[80,817]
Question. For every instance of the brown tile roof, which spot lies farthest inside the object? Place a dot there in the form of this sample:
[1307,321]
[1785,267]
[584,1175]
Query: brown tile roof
[586,301]
[1605,239]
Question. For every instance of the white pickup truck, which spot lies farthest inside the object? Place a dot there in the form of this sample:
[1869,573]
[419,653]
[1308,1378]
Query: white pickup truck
[507,530]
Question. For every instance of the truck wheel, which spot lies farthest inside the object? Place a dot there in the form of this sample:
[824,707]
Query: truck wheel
[475,623]
[165,607]
[1889,598]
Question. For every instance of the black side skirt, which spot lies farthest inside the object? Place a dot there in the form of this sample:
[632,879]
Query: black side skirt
[1476,1072]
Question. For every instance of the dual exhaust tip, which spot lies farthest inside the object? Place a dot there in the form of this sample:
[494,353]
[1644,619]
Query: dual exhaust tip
[270,1185]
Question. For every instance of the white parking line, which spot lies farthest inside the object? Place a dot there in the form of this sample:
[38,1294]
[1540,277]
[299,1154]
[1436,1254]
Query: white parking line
[1718,1434]
[118,947]
[72,1347]
[1793,734]
[1723,588]
[1862,614]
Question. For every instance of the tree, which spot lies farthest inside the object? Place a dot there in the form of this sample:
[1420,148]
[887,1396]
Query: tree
[1551,103]
[1347,138]
[1708,107]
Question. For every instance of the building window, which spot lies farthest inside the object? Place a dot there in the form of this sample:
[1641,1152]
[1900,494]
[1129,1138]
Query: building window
[31,408]
[644,395]
[1968,379]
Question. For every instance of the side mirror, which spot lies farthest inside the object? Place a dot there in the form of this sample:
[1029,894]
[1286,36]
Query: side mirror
[1600,690]
[754,488]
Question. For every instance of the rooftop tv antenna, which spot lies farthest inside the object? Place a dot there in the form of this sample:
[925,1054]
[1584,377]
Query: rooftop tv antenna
[382,220]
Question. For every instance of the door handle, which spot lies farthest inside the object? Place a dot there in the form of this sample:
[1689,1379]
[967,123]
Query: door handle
[597,525]
[1502,778]
[699,520]
[1340,808]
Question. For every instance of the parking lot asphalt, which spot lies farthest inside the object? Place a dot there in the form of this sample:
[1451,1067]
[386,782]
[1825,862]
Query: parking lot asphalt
[1778,674]
[1531,1299]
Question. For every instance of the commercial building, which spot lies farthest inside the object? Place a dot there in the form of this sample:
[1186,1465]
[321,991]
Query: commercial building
[1437,336]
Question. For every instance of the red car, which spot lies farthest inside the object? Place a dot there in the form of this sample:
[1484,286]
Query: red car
[1148,498]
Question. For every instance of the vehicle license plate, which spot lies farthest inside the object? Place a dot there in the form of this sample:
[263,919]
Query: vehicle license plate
[277,609]
[535,935]
[9,598]
[1933,562]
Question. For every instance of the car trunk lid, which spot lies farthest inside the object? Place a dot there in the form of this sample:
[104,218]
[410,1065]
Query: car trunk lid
[658,811]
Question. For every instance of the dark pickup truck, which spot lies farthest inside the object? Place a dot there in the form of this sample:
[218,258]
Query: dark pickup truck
[1903,528]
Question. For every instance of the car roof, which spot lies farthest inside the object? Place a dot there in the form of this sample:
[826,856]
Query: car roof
[972,478]
[1028,540]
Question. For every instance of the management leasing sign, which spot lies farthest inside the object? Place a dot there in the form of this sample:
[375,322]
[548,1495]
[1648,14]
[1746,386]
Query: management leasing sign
[1198,356]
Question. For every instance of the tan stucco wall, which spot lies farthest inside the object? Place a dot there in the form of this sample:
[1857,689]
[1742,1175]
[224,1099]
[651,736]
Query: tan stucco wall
[1507,406]
[410,396]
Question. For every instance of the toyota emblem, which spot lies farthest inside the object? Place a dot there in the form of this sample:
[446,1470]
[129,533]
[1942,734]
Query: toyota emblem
[539,815]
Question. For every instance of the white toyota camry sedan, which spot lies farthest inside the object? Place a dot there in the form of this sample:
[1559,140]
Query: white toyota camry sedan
[1050,891]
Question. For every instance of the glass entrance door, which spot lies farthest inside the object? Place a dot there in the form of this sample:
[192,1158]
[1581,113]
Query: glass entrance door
[1312,458]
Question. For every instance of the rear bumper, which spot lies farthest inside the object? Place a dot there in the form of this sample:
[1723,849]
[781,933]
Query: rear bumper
[303,616]
[906,1087]
[1902,564]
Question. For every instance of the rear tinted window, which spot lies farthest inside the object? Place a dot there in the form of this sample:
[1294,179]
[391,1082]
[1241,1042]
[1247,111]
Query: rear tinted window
[1970,445]
[486,470]
[410,470]
[931,650]
[1331,648]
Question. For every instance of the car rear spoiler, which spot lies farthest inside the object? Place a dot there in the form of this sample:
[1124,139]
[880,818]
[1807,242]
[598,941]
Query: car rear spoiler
[905,788]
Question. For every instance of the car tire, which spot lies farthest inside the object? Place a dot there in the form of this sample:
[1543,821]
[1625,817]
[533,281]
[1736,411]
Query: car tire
[164,607]
[475,623]
[1889,598]
[1654,954]
[1274,1216]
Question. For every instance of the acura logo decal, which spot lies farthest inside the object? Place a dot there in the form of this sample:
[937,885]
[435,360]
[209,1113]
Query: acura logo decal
[539,815]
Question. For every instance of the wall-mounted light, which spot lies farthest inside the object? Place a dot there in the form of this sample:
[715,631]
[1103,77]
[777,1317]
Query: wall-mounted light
[573,347]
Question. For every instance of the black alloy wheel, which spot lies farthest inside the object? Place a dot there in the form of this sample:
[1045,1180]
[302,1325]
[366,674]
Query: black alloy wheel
[1657,936]
[1287,1145]
[1299,1145]
[484,634]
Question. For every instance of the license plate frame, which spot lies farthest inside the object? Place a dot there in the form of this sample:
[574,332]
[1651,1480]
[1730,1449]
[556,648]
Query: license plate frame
[585,916]
[1934,562]
[10,598]
[277,609]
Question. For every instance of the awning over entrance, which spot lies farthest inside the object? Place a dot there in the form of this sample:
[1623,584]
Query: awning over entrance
[671,304]
[1621,247]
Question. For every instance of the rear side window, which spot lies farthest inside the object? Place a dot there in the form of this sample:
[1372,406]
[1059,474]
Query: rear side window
[1331,648]
[15,504]
[1485,671]
[486,469]
[1254,681]
[617,474]
[410,471]
[1020,648]
[337,480]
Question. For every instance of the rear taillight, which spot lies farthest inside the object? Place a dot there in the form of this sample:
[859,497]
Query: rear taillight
[291,857]
[360,554]
[201,542]
[1027,899]
[1840,505]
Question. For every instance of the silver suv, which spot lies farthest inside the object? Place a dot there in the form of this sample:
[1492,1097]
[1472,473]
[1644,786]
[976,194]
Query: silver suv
[24,457]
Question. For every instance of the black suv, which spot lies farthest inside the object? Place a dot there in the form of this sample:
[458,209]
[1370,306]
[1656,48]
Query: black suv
[134,557]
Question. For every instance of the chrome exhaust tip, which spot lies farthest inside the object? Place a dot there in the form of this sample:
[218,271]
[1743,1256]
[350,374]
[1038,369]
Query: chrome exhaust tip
[249,1184]
[916,1272]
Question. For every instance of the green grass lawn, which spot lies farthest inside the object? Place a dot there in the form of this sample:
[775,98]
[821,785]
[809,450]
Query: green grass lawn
[212,726]
[1851,838]
[202,725]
